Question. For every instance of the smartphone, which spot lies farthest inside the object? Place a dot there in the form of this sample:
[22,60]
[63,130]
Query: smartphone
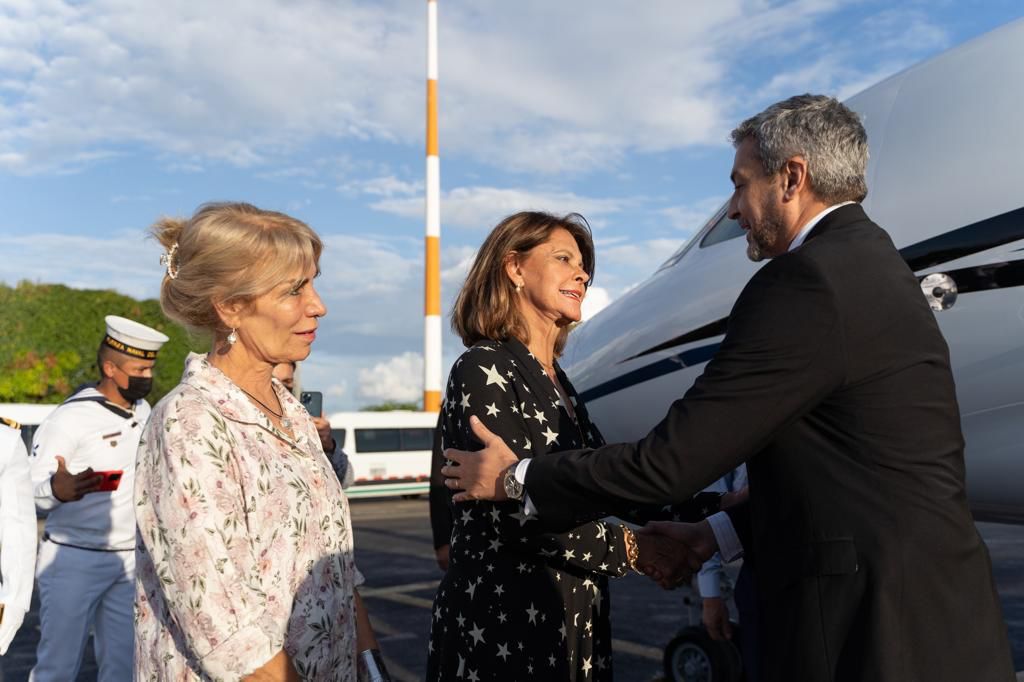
[111,479]
[313,401]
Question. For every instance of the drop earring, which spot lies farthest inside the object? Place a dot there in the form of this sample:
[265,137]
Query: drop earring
[232,337]
[519,287]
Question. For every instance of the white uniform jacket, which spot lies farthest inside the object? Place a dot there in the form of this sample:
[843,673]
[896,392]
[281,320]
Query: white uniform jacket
[17,534]
[87,431]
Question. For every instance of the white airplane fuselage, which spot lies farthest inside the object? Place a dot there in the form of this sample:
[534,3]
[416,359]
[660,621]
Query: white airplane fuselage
[945,181]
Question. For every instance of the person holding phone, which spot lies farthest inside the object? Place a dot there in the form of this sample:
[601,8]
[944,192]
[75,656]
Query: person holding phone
[313,401]
[83,468]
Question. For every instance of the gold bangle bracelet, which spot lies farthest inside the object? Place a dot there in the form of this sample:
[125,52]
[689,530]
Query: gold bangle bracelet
[632,549]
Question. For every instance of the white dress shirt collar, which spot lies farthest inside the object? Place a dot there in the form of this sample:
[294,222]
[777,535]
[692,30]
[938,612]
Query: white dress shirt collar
[802,234]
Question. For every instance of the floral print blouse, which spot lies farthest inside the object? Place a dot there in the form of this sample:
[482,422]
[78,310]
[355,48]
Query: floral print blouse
[244,540]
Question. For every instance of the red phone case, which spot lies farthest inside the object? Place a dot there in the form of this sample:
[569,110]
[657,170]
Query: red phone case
[111,479]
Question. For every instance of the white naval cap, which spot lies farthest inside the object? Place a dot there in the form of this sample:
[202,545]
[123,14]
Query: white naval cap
[131,338]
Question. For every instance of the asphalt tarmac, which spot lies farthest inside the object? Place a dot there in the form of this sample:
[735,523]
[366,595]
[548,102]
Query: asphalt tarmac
[394,552]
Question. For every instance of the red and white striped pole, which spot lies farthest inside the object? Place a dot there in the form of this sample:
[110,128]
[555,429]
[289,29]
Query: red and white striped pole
[432,288]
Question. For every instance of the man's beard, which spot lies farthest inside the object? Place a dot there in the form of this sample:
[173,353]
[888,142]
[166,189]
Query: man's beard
[764,236]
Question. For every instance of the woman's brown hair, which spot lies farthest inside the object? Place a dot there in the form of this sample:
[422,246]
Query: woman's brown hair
[486,308]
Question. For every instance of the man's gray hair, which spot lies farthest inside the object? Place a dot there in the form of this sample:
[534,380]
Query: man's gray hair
[825,132]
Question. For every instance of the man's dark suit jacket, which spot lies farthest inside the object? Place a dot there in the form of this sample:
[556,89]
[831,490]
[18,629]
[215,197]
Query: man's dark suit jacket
[833,383]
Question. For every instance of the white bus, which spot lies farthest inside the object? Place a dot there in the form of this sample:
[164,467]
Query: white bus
[28,415]
[389,452]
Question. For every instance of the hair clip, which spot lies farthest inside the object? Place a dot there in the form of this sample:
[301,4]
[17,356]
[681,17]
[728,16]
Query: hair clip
[167,260]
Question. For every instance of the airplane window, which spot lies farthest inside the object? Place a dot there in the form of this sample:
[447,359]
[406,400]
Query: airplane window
[724,230]
[718,229]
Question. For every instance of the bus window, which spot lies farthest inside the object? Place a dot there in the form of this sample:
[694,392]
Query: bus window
[377,440]
[417,439]
[339,437]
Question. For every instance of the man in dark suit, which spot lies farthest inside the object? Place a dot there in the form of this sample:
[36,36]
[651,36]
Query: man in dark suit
[833,383]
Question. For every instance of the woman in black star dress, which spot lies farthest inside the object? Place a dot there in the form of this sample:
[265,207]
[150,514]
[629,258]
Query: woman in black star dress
[517,603]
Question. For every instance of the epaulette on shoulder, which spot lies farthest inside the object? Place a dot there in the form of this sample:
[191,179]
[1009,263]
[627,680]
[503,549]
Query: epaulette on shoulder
[11,423]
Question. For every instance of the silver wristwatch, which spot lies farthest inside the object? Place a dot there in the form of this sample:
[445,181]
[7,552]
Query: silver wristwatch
[513,488]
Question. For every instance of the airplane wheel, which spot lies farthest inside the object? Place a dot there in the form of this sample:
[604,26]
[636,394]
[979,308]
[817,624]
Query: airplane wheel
[692,656]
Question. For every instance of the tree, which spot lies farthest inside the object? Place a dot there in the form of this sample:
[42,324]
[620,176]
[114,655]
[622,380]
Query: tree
[50,333]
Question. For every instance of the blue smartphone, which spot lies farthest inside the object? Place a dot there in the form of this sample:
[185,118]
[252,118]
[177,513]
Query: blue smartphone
[313,401]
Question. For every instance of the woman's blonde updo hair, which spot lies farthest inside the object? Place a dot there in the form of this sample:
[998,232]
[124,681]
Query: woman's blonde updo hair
[486,307]
[226,253]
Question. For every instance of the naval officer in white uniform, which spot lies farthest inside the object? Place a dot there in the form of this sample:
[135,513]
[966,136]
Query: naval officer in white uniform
[17,533]
[86,567]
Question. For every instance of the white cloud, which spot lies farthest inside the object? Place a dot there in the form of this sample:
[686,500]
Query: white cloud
[337,389]
[596,300]
[236,81]
[387,186]
[480,208]
[690,218]
[321,372]
[126,261]
[905,30]
[898,38]
[625,264]
[648,253]
[373,292]
[552,89]
[399,379]
[357,266]
[856,83]
[455,264]
[555,88]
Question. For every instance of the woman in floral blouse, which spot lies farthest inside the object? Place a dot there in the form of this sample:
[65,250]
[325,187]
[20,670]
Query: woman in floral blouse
[245,566]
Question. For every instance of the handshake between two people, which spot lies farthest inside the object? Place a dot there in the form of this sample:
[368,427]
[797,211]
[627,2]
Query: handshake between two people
[669,552]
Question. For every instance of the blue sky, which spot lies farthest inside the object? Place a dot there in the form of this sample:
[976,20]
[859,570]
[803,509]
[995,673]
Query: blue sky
[115,112]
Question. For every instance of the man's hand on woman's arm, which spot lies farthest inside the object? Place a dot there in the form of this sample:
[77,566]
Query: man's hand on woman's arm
[478,474]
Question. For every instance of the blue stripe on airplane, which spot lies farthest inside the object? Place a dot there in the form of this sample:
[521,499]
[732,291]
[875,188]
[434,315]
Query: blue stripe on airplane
[674,363]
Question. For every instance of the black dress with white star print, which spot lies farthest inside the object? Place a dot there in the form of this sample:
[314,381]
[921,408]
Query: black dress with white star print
[518,603]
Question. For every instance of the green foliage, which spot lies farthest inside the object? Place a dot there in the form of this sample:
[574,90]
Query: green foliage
[49,334]
[392,405]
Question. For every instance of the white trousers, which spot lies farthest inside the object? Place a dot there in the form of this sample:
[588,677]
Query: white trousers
[79,589]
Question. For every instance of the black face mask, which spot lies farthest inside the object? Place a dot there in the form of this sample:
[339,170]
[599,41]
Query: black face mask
[138,388]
